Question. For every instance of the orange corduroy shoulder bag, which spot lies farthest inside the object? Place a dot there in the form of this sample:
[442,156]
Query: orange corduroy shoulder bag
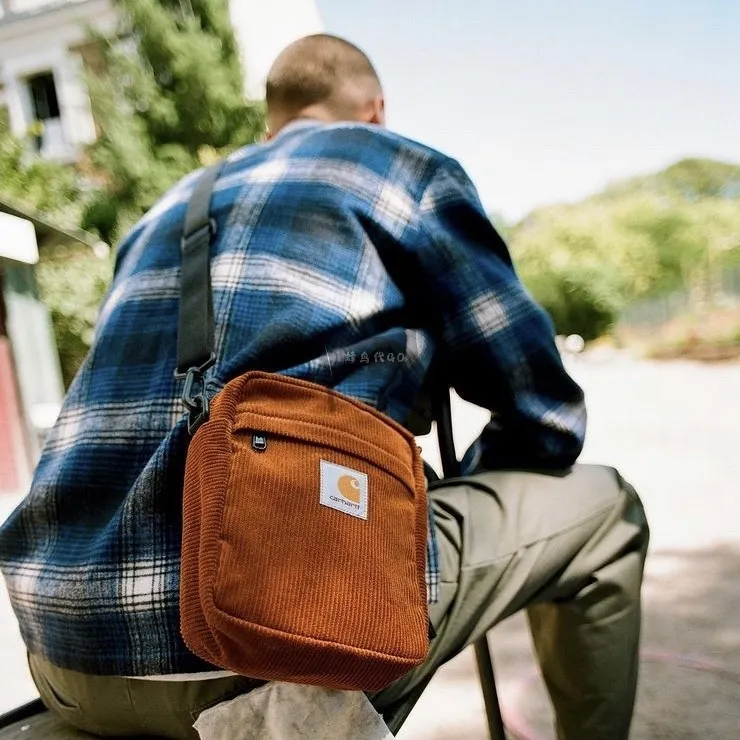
[304,515]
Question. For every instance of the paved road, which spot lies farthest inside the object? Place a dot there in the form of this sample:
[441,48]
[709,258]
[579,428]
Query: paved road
[674,431]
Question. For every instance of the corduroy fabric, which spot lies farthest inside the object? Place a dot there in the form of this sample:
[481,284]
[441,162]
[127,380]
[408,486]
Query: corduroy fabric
[277,586]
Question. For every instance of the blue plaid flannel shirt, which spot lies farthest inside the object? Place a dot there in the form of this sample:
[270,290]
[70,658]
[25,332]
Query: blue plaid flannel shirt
[346,255]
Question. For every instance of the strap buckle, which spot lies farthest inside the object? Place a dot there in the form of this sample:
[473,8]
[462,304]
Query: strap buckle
[194,394]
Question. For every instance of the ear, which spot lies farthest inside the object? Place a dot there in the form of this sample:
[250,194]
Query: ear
[273,123]
[377,115]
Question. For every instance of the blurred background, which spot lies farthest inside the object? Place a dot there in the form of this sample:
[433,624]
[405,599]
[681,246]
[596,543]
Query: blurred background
[603,139]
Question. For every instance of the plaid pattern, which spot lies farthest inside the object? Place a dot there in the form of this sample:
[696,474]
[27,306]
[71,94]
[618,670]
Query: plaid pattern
[346,255]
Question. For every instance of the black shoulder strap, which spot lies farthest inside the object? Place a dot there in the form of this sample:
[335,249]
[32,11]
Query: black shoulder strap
[195,330]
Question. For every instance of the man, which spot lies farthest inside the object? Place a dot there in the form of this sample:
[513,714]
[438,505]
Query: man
[341,248]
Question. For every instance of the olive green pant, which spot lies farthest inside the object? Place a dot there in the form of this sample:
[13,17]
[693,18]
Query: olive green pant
[569,548]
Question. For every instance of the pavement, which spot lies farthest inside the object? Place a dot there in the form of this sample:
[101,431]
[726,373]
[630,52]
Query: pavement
[673,430]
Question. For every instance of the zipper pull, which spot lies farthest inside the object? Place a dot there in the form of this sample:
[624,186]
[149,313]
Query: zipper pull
[259,442]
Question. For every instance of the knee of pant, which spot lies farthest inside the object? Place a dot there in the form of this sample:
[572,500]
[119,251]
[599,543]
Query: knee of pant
[630,500]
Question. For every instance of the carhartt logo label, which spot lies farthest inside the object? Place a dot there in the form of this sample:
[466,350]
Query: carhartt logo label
[344,489]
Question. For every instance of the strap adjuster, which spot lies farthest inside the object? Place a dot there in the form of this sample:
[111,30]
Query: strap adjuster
[206,233]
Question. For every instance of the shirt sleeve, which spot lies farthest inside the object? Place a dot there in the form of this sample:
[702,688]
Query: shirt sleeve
[498,343]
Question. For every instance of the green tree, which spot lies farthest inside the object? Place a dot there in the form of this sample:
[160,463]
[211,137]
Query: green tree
[72,282]
[168,98]
[678,228]
[34,184]
[715,227]
[582,263]
[687,181]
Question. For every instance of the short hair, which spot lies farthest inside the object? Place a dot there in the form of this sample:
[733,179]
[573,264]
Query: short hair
[313,70]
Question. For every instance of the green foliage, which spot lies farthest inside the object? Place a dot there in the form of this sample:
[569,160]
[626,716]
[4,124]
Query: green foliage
[72,282]
[687,181]
[585,263]
[34,184]
[168,98]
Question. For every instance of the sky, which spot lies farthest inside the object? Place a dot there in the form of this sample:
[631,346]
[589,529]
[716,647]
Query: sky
[546,101]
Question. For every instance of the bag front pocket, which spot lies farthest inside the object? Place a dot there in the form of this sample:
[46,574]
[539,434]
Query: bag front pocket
[316,540]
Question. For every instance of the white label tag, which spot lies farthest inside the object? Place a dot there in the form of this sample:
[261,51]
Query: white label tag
[343,489]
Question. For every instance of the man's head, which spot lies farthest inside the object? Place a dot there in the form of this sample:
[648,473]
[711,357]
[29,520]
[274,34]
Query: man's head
[326,78]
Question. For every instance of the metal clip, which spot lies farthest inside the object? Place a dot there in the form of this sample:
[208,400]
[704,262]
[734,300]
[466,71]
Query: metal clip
[194,395]
[195,400]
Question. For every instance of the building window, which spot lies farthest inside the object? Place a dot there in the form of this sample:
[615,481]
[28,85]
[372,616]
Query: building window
[43,96]
[46,128]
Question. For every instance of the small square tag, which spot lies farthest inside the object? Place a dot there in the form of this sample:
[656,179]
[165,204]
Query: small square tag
[343,489]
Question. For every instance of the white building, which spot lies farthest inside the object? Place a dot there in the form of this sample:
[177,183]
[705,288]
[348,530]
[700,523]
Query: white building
[43,45]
